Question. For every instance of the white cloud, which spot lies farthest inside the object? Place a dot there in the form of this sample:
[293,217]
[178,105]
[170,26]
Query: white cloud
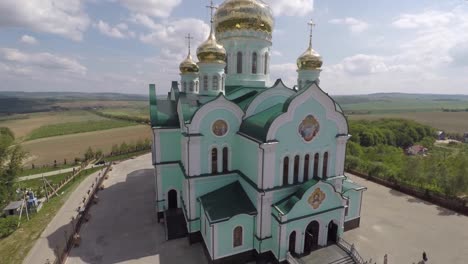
[355,25]
[39,64]
[285,71]
[26,39]
[119,31]
[62,17]
[430,18]
[291,7]
[170,35]
[155,8]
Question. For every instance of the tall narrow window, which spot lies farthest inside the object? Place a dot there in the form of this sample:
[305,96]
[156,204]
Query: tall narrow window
[239,62]
[227,61]
[237,236]
[266,64]
[225,159]
[325,165]
[196,86]
[191,86]
[306,167]
[296,169]
[222,83]
[205,83]
[215,83]
[214,160]
[285,170]
[184,86]
[254,63]
[316,164]
[347,207]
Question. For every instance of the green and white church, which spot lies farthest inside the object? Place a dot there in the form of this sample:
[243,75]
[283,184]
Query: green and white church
[251,171]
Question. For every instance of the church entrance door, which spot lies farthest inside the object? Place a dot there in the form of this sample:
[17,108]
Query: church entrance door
[332,233]
[172,199]
[292,242]
[311,237]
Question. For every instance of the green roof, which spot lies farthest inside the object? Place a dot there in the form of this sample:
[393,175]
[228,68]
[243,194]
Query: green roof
[257,125]
[226,202]
[285,205]
[349,185]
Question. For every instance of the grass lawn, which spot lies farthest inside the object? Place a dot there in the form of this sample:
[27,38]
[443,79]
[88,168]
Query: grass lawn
[14,248]
[37,170]
[76,127]
[126,156]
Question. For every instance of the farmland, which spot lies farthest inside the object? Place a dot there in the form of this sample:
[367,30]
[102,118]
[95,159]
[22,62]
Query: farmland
[46,150]
[456,122]
[76,127]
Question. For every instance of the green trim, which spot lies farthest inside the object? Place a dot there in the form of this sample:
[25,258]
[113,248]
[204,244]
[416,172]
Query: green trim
[305,216]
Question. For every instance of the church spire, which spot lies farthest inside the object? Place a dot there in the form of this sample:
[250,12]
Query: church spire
[189,38]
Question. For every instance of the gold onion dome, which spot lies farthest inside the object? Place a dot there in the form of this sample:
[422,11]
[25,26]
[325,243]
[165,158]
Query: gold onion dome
[210,51]
[244,15]
[309,60]
[188,65]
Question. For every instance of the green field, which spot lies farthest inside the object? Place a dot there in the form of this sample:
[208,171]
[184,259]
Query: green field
[75,128]
[29,171]
[141,112]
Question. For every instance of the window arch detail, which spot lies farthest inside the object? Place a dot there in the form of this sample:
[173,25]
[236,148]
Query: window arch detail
[237,236]
[316,165]
[239,62]
[285,170]
[205,83]
[296,169]
[254,63]
[225,159]
[325,165]
[265,69]
[215,84]
[214,160]
[306,167]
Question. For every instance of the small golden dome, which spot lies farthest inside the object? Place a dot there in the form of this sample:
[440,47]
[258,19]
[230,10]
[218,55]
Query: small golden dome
[309,60]
[244,14]
[210,51]
[188,65]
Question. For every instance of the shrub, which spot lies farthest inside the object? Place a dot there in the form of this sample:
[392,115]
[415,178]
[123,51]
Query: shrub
[8,225]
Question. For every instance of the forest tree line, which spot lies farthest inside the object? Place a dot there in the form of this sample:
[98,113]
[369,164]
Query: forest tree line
[377,148]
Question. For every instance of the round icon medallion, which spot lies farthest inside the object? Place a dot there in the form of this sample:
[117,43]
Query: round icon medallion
[220,128]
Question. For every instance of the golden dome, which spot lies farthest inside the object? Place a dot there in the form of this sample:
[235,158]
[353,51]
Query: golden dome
[210,51]
[244,14]
[188,65]
[309,60]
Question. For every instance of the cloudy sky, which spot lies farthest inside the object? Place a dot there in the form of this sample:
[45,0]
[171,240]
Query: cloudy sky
[122,45]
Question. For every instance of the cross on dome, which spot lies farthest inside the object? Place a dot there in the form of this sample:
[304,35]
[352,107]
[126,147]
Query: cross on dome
[212,8]
[311,25]
[189,38]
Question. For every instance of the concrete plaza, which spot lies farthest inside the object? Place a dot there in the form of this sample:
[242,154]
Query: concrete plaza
[123,226]
[403,227]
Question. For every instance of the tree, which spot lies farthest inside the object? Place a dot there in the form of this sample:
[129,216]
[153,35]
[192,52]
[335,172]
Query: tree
[123,147]
[115,149]
[89,154]
[98,154]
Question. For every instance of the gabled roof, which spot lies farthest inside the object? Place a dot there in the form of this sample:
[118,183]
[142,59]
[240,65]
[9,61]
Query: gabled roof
[285,205]
[257,125]
[13,205]
[226,202]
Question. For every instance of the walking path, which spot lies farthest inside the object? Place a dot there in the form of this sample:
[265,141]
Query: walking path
[52,173]
[54,234]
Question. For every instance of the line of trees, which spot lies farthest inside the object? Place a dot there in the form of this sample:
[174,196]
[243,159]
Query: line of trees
[143,120]
[377,149]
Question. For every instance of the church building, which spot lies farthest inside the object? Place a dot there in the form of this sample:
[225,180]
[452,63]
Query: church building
[249,170]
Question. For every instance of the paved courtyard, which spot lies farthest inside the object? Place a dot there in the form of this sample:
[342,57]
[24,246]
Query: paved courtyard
[123,226]
[403,227]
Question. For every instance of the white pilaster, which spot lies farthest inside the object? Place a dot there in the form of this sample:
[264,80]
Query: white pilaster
[301,168]
[194,156]
[340,154]
[269,168]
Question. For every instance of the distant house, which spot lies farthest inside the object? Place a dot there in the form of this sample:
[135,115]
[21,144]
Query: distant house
[13,208]
[465,137]
[440,135]
[416,150]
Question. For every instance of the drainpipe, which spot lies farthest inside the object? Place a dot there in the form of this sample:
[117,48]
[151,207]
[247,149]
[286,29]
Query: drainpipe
[261,200]
[188,173]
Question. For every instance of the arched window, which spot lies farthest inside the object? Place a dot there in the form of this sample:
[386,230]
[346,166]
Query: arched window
[325,165]
[215,83]
[296,169]
[237,236]
[205,83]
[214,160]
[226,68]
[225,159]
[254,63]
[196,86]
[306,167]
[316,164]
[239,62]
[285,170]
[222,83]
[184,86]
[191,86]
[266,63]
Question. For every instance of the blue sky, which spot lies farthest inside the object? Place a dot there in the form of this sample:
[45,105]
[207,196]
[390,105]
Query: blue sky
[122,45]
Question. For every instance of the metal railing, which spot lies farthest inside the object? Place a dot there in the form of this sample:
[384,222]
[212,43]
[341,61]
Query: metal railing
[351,250]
